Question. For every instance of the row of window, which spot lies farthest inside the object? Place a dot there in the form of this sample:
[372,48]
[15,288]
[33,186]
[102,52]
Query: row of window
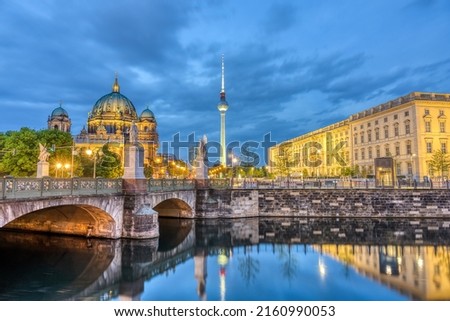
[368,135]
[395,117]
[387,150]
[376,136]
[428,126]
[385,119]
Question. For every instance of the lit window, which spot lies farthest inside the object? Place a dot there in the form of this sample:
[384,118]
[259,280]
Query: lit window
[442,126]
[428,126]
[444,147]
[429,147]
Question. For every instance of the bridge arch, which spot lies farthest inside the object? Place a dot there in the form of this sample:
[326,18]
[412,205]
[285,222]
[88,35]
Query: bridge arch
[84,220]
[174,207]
[99,216]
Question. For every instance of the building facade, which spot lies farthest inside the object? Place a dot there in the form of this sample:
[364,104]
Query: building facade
[409,129]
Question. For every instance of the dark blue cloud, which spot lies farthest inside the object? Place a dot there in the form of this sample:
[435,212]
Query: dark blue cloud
[291,66]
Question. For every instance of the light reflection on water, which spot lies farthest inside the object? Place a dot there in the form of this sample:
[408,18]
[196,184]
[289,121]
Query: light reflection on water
[239,259]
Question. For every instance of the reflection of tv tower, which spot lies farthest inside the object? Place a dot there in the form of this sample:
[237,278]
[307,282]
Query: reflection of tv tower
[200,273]
[222,260]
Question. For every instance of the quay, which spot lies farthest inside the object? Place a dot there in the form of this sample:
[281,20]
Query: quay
[119,208]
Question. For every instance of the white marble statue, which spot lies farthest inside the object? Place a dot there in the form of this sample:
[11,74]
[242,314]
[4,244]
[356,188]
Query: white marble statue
[43,153]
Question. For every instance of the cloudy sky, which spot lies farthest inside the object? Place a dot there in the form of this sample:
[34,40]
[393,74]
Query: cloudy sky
[291,66]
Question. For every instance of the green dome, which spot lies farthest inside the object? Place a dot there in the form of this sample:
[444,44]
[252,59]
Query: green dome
[147,113]
[59,112]
[114,106]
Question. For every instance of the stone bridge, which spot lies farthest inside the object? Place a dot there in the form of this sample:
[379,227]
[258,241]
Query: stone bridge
[97,208]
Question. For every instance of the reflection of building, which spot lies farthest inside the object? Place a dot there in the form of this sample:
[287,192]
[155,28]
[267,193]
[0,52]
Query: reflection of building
[421,272]
[409,129]
[109,121]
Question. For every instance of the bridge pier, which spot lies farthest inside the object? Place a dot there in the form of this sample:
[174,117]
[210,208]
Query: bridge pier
[139,219]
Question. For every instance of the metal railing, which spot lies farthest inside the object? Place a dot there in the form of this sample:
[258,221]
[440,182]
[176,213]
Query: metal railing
[11,188]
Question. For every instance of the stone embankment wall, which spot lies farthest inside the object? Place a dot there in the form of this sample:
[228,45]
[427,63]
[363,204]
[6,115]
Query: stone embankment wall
[322,203]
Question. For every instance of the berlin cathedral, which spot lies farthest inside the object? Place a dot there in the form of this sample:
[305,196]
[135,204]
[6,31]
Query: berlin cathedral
[109,122]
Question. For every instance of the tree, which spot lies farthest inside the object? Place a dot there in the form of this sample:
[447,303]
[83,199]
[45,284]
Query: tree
[108,163]
[21,152]
[440,162]
[60,144]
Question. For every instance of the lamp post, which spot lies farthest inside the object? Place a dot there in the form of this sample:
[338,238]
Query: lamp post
[66,167]
[234,161]
[412,166]
[58,167]
[90,152]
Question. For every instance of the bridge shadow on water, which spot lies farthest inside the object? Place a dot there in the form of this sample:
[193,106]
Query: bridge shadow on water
[51,267]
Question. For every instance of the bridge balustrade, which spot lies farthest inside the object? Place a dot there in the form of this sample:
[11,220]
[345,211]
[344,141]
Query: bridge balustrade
[39,187]
[165,185]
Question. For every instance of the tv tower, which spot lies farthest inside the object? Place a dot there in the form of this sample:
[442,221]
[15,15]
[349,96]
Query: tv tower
[222,106]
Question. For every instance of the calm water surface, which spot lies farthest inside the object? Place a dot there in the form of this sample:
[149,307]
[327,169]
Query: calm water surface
[241,259]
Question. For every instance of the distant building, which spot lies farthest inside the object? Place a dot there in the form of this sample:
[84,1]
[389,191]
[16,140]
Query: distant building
[408,129]
[59,120]
[109,122]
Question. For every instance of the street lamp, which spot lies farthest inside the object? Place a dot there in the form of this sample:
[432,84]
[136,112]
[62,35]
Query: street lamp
[58,167]
[67,166]
[412,166]
[90,152]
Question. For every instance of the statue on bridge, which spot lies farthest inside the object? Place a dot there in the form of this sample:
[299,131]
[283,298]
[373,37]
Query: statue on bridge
[43,153]
[43,165]
[202,160]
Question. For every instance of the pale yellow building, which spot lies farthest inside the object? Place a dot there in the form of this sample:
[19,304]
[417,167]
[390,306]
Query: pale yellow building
[323,152]
[408,129]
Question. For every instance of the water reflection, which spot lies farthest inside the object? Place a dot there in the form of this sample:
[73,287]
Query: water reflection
[239,259]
